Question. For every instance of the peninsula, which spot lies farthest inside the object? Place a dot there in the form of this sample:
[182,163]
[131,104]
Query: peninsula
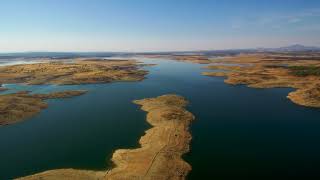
[22,105]
[274,70]
[2,89]
[159,156]
[84,71]
[18,106]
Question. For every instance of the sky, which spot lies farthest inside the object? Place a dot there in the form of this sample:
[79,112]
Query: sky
[156,25]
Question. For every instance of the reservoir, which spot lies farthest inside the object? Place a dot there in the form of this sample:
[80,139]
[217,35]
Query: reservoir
[239,132]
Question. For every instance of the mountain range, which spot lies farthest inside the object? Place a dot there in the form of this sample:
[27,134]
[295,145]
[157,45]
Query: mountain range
[291,48]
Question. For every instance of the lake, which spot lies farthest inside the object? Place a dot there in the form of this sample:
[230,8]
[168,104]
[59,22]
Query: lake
[239,132]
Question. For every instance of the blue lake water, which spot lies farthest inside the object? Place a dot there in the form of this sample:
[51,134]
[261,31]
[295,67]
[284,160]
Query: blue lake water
[239,132]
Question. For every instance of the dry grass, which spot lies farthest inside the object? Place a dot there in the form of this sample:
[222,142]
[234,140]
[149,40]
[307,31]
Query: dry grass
[159,156]
[79,72]
[257,71]
[19,106]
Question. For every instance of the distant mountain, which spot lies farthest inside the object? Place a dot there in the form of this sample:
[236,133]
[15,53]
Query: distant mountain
[299,47]
[292,48]
[222,52]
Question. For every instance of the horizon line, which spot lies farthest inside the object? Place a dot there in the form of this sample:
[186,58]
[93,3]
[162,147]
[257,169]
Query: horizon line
[153,51]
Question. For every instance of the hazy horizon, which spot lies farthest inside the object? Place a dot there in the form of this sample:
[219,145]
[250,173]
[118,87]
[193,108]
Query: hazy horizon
[150,26]
[150,51]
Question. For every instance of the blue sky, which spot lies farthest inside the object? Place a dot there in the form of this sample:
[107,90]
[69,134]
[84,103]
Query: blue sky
[156,25]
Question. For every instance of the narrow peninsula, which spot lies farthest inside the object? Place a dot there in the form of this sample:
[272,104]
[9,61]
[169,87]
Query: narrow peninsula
[159,156]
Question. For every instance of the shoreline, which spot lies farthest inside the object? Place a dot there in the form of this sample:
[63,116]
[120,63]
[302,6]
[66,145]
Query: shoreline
[161,150]
[20,106]
[257,71]
[15,107]
[84,71]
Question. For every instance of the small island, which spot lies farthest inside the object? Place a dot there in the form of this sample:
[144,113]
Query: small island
[274,70]
[159,156]
[195,59]
[22,105]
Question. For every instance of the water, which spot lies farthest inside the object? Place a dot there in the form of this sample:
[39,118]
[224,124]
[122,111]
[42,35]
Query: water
[239,132]
[7,62]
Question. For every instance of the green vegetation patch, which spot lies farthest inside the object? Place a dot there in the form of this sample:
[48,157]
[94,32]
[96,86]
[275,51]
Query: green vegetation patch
[305,70]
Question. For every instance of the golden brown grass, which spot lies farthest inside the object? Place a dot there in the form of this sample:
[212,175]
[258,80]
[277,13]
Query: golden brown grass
[261,71]
[22,105]
[159,156]
[79,72]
